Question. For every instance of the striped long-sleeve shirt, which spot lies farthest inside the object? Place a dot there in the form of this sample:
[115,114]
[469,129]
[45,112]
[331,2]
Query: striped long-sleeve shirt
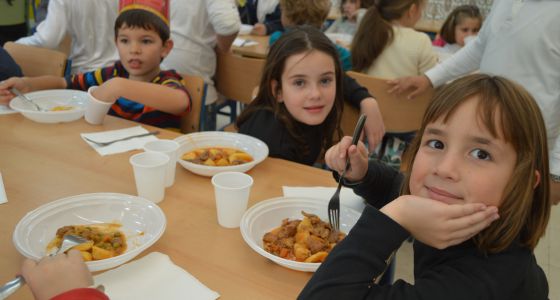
[126,108]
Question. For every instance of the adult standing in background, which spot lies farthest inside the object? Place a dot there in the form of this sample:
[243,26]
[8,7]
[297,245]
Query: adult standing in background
[199,28]
[12,20]
[519,40]
[90,25]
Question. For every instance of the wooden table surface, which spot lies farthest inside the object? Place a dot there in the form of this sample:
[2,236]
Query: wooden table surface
[41,163]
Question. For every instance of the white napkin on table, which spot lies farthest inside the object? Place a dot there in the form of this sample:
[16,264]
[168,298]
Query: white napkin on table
[5,109]
[154,276]
[3,197]
[122,146]
[347,196]
[239,42]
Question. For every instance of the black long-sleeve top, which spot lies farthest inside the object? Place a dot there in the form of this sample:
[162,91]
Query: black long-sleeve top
[458,272]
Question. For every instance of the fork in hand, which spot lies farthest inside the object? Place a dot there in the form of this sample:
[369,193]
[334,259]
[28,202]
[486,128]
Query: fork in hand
[334,203]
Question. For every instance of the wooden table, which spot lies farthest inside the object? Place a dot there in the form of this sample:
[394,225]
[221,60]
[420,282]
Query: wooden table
[44,162]
[257,51]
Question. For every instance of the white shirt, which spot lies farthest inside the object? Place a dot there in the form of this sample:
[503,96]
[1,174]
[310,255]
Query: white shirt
[90,24]
[520,41]
[194,26]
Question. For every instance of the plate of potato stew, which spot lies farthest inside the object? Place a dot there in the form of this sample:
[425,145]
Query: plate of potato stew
[208,153]
[120,226]
[293,231]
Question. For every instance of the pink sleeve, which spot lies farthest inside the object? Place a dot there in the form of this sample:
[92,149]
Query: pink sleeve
[439,42]
[82,294]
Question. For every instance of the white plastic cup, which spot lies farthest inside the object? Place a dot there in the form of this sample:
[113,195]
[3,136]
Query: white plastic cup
[231,190]
[149,174]
[96,110]
[169,148]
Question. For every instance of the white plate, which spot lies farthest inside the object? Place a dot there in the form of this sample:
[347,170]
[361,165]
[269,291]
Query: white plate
[143,223]
[253,146]
[267,215]
[48,99]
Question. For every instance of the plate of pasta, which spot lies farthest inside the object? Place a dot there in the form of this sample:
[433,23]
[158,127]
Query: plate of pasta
[293,231]
[118,227]
[208,153]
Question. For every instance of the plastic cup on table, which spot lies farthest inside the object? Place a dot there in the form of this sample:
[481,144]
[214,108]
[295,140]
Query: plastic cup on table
[231,190]
[149,174]
[169,148]
[96,110]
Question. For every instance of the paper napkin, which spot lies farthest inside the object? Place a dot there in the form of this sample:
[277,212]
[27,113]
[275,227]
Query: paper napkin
[154,276]
[239,42]
[3,197]
[5,109]
[347,196]
[122,146]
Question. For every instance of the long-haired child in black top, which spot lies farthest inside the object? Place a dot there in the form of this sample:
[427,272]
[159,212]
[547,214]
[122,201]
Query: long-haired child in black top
[298,108]
[476,199]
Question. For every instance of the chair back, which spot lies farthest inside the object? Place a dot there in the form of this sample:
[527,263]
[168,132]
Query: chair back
[35,61]
[399,113]
[196,87]
[237,76]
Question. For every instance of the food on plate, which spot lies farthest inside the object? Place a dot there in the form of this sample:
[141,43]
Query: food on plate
[104,240]
[217,156]
[62,108]
[309,240]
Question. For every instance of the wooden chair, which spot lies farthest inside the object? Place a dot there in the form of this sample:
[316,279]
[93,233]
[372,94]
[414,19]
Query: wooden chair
[236,77]
[399,113]
[197,90]
[35,61]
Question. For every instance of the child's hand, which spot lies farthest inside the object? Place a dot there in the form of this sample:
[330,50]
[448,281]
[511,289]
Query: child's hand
[259,29]
[335,158]
[18,82]
[417,84]
[54,275]
[438,224]
[374,127]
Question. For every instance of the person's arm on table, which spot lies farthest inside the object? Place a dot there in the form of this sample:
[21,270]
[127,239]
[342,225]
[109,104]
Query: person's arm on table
[224,18]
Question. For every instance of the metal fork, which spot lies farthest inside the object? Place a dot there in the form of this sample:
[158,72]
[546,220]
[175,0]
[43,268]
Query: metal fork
[155,132]
[22,96]
[334,203]
[13,285]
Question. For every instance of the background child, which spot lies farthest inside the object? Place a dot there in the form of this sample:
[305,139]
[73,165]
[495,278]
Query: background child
[264,15]
[142,39]
[464,21]
[387,46]
[346,25]
[298,108]
[308,12]
[482,146]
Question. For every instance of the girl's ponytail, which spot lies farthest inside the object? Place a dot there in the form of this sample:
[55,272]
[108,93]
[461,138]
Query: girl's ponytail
[373,34]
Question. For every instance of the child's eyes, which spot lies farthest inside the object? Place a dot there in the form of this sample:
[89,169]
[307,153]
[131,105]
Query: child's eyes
[299,82]
[480,154]
[326,81]
[147,41]
[123,41]
[436,144]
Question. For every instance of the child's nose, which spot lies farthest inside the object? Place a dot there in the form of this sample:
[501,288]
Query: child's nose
[314,92]
[447,167]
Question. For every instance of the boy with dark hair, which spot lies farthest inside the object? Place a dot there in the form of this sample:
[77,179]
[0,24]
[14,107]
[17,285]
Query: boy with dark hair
[136,86]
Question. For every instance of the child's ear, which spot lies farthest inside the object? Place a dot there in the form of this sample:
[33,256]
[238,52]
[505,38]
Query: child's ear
[167,46]
[537,179]
[277,93]
[412,10]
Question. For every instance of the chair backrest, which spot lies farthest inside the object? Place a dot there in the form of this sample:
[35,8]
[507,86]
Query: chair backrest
[35,61]
[399,113]
[237,76]
[197,90]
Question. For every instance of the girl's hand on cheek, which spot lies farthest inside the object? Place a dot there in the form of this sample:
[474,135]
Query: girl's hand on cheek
[438,224]
[335,158]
